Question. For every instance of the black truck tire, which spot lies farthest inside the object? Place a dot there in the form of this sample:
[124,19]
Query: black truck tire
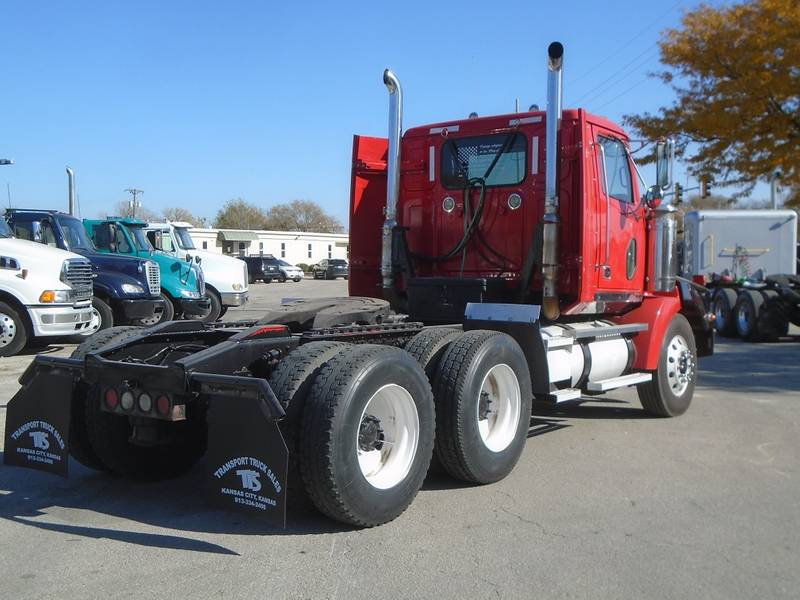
[215,312]
[670,391]
[748,315]
[773,322]
[367,435]
[474,442]
[290,381]
[79,447]
[105,312]
[167,314]
[13,331]
[428,346]
[725,318]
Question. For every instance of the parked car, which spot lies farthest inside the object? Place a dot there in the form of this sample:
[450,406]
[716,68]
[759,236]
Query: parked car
[289,271]
[264,267]
[331,268]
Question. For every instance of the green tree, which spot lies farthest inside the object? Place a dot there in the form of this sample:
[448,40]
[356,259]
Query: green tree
[240,214]
[302,215]
[735,71]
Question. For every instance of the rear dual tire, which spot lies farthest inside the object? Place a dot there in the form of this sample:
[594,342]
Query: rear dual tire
[367,435]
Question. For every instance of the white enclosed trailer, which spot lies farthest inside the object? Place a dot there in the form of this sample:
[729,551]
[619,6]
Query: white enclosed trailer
[741,242]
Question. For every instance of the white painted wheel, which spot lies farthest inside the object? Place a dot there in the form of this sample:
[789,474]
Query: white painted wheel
[498,408]
[8,330]
[94,323]
[680,365]
[388,436]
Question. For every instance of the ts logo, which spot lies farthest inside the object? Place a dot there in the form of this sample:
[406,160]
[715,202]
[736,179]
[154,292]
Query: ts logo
[40,440]
[250,479]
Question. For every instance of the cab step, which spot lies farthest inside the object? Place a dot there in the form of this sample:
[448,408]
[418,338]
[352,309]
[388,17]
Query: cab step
[613,383]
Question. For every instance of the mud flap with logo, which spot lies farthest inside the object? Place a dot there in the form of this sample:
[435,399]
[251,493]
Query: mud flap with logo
[37,422]
[247,457]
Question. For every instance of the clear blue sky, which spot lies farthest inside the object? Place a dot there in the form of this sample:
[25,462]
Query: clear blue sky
[199,102]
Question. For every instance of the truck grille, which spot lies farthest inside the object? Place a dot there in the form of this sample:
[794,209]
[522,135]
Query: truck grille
[78,275]
[153,276]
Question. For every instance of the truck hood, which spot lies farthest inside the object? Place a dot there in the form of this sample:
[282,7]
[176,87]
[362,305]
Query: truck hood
[34,252]
[220,269]
[128,265]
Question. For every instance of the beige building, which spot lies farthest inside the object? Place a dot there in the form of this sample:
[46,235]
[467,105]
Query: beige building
[292,246]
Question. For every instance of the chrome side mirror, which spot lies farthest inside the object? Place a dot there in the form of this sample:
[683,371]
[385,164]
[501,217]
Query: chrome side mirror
[665,157]
[654,196]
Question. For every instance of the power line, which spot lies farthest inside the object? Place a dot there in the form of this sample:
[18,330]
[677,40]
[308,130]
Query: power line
[630,67]
[133,203]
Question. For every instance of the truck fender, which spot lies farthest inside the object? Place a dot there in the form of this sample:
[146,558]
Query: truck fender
[109,284]
[657,312]
[9,297]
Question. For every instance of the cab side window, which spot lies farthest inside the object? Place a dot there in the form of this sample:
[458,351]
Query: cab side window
[48,235]
[617,169]
[23,230]
[122,242]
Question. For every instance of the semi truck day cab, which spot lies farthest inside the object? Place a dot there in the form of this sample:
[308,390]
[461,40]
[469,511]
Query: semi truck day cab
[493,261]
[225,277]
[44,292]
[182,285]
[127,290]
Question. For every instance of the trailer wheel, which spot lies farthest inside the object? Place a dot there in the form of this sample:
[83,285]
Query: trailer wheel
[428,346]
[483,399]
[724,303]
[772,320]
[13,332]
[367,435]
[290,381]
[79,447]
[748,313]
[670,391]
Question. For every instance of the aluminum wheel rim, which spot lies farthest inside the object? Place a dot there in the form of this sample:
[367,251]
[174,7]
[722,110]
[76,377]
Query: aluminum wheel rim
[386,449]
[680,365]
[94,323]
[498,410]
[721,316]
[744,318]
[8,330]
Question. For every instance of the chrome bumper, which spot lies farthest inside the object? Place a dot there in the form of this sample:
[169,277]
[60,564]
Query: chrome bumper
[233,298]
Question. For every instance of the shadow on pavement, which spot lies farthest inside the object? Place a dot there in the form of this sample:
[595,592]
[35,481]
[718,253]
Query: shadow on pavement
[744,366]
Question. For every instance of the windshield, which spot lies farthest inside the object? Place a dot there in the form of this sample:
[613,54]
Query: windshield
[184,239]
[75,236]
[5,230]
[283,263]
[140,239]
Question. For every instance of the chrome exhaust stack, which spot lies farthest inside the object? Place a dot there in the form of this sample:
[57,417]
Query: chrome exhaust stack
[71,192]
[550,220]
[393,175]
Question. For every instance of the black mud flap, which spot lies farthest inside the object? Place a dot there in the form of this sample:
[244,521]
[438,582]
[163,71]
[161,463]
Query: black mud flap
[37,420]
[247,457]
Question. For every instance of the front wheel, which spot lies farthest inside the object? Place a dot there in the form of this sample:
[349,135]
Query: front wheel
[482,390]
[214,312]
[13,333]
[670,391]
[367,435]
[166,314]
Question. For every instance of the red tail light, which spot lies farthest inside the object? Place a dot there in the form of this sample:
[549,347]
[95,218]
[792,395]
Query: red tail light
[701,279]
[163,405]
[112,399]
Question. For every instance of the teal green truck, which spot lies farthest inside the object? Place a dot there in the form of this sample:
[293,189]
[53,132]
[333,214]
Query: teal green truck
[182,284]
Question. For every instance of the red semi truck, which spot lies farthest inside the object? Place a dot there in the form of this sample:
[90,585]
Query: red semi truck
[494,261]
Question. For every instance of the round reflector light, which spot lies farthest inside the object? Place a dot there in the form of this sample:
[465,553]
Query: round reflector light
[126,400]
[145,402]
[162,405]
[112,399]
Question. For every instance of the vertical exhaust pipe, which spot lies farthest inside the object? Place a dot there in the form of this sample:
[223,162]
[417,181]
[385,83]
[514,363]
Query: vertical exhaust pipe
[71,192]
[550,220]
[393,177]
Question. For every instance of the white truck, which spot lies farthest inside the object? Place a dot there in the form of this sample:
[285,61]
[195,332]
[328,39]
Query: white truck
[226,278]
[748,259]
[44,292]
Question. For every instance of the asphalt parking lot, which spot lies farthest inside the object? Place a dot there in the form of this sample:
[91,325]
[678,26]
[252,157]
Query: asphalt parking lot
[605,502]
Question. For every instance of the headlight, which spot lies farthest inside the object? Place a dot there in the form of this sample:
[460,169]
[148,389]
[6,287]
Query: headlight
[132,288]
[237,286]
[190,294]
[55,296]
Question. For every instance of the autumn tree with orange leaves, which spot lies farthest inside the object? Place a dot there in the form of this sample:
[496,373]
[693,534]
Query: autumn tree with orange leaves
[735,71]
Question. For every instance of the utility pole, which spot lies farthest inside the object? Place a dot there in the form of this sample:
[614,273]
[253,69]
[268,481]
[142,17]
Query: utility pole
[773,188]
[134,203]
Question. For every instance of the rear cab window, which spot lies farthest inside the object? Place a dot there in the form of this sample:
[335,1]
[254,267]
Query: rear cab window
[500,159]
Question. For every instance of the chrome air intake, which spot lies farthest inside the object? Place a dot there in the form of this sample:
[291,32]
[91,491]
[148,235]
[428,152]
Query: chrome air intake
[550,220]
[393,175]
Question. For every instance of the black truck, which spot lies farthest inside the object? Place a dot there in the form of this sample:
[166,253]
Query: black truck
[126,290]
